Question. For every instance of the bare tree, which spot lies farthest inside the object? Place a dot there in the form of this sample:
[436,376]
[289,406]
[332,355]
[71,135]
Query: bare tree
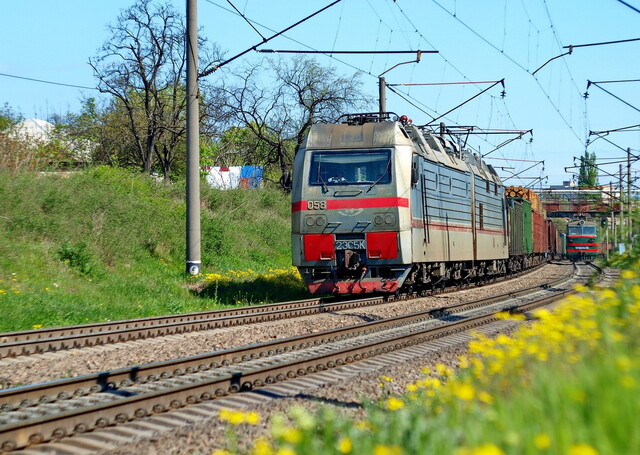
[317,93]
[279,102]
[143,66]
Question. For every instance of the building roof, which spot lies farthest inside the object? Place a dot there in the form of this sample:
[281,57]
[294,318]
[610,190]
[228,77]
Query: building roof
[33,129]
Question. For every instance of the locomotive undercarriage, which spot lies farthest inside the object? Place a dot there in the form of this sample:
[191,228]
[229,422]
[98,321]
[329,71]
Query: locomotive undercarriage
[352,274]
[427,276]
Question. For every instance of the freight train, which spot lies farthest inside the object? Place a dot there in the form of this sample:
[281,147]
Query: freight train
[582,240]
[381,205]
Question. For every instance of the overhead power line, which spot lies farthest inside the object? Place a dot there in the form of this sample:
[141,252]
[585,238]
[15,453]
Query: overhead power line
[47,82]
[216,67]
[632,7]
[246,20]
[292,51]
[601,44]
[590,83]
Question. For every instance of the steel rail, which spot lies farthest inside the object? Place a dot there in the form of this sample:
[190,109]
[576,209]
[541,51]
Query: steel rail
[76,421]
[29,342]
[98,382]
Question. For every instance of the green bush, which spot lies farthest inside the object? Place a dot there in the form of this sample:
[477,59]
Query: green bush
[77,257]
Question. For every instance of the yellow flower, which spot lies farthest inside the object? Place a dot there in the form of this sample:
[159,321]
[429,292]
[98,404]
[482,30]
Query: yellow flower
[36,326]
[411,387]
[488,449]
[542,441]
[286,451]
[292,435]
[262,447]
[233,417]
[252,418]
[582,449]
[387,378]
[221,452]
[485,397]
[345,445]
[628,274]
[443,370]
[387,450]
[627,381]
[623,363]
[364,425]
[393,404]
[464,392]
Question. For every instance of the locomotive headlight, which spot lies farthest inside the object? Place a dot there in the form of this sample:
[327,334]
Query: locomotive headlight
[384,218]
[315,220]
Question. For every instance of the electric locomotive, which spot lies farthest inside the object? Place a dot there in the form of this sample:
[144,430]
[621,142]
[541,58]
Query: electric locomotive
[379,204]
[582,240]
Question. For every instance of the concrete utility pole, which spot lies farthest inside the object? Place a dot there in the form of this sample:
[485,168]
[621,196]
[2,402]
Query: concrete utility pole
[193,142]
[622,208]
[629,195]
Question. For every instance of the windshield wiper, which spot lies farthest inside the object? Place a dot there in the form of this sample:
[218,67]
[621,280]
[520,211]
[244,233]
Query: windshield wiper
[381,177]
[325,188]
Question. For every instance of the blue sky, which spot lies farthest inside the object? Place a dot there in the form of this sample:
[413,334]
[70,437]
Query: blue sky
[477,41]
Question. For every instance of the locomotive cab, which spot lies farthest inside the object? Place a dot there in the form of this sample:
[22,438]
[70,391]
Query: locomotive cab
[347,208]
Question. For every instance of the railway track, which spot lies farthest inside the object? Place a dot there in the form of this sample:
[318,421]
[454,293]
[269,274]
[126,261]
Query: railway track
[29,342]
[38,413]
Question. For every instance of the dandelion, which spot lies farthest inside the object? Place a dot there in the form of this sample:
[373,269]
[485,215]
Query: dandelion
[627,381]
[252,418]
[628,274]
[345,445]
[221,452]
[542,441]
[443,370]
[464,392]
[488,449]
[233,417]
[485,397]
[393,404]
[382,449]
[36,326]
[363,425]
[412,387]
[582,449]
[286,451]
[262,447]
[292,435]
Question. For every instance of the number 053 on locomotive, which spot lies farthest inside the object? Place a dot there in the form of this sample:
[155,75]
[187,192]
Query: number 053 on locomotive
[380,204]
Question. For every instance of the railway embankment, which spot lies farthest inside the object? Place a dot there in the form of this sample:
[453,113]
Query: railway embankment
[107,244]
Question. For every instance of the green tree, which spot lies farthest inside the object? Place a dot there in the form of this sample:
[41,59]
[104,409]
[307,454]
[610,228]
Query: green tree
[8,118]
[588,174]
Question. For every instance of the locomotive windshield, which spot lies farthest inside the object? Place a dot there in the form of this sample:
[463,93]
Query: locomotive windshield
[582,230]
[353,167]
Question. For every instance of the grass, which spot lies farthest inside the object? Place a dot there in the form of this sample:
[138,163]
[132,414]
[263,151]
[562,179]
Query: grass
[567,384]
[106,244]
